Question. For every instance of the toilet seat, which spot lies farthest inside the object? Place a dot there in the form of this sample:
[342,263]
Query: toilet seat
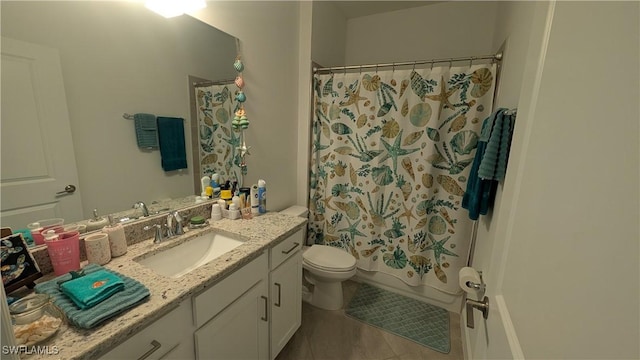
[328,258]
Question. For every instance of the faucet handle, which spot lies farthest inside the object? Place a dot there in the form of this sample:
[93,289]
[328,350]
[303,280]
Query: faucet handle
[158,237]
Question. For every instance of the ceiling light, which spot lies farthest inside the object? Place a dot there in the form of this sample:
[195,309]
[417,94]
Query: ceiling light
[171,8]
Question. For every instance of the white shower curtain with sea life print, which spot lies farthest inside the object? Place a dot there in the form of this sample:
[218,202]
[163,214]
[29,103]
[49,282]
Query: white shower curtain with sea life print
[218,142]
[391,157]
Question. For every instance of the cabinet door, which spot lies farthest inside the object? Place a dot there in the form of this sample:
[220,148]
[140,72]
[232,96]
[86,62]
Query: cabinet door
[286,302]
[241,331]
[155,342]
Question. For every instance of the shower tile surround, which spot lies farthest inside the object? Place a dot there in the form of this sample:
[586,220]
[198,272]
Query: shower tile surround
[261,233]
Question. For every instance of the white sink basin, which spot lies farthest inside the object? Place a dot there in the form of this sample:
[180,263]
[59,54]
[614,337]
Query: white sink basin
[193,253]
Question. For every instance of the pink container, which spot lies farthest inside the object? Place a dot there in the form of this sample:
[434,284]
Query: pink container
[42,225]
[64,252]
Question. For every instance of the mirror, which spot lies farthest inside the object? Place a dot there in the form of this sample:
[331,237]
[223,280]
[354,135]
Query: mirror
[117,58]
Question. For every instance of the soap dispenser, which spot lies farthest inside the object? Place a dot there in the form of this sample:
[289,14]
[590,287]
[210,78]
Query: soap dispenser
[117,239]
[98,222]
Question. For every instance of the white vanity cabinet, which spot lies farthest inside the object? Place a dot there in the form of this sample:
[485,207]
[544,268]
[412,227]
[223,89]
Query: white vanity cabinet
[232,317]
[250,314]
[285,291]
[169,337]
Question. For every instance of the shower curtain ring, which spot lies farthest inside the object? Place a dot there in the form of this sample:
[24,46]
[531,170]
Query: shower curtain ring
[414,66]
[450,63]
[471,61]
[431,66]
[360,69]
[376,69]
[393,68]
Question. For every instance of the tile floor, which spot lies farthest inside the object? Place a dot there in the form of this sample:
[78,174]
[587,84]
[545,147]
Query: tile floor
[326,335]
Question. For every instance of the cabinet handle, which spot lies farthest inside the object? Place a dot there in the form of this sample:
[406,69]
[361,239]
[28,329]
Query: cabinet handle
[279,296]
[156,345]
[295,245]
[266,308]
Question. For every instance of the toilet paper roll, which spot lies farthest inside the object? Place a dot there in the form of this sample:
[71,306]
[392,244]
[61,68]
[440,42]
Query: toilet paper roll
[467,275]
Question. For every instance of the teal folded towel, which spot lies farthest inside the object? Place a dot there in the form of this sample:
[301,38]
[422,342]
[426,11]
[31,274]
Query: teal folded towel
[171,139]
[493,165]
[146,130]
[134,293]
[91,289]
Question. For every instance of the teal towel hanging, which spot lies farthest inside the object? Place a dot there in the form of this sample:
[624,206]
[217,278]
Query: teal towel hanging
[172,144]
[146,131]
[493,165]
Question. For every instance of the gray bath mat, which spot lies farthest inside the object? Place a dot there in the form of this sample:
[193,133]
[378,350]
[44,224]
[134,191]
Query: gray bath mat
[411,319]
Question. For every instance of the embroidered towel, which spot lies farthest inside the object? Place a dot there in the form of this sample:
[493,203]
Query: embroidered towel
[133,294]
[90,290]
[146,130]
[171,140]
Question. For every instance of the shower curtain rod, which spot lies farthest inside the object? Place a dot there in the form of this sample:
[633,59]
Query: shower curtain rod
[494,57]
[209,83]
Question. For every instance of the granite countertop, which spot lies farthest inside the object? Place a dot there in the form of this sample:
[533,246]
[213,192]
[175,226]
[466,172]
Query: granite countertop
[260,233]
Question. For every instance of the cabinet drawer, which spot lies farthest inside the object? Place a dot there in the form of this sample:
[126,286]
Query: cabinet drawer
[210,302]
[286,248]
[156,336]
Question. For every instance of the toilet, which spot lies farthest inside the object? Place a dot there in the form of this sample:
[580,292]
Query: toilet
[325,267]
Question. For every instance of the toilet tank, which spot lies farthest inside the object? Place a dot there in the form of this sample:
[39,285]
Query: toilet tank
[296,210]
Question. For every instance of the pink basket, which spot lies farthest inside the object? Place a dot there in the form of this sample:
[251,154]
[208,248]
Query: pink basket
[65,252]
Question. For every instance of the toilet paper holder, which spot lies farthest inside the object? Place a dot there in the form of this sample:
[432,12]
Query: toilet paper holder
[481,288]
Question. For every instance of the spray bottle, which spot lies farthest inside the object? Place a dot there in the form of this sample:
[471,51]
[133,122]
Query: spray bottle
[262,196]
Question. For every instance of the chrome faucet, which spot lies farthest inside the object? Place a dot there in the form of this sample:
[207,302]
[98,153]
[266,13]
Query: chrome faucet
[158,237]
[174,229]
[143,206]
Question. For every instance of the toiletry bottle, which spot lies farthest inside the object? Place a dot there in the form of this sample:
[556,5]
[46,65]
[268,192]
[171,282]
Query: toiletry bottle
[262,196]
[255,202]
[215,185]
[117,239]
[204,182]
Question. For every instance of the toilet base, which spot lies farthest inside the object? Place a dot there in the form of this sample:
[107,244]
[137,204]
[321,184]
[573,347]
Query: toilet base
[327,296]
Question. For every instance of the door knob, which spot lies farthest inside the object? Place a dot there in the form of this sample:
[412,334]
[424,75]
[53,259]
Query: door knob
[480,305]
[69,189]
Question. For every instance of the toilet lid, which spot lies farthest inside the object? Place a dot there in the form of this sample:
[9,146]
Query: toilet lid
[328,257]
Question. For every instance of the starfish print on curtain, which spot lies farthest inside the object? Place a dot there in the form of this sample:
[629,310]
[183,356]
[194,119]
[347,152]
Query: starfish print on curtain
[391,156]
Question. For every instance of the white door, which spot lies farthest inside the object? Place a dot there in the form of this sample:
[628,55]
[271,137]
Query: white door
[37,152]
[560,254]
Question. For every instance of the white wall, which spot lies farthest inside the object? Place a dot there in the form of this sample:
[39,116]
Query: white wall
[448,29]
[268,32]
[119,57]
[329,34]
